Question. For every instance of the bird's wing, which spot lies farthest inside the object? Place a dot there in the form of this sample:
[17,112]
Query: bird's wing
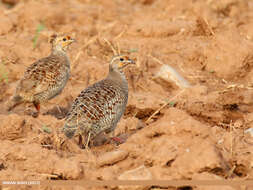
[40,75]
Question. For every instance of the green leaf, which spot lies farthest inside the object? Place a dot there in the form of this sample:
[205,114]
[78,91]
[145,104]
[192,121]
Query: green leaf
[40,27]
[171,104]
[133,50]
[46,129]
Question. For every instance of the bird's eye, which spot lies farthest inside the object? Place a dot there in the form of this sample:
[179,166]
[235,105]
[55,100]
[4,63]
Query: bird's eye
[121,59]
[64,39]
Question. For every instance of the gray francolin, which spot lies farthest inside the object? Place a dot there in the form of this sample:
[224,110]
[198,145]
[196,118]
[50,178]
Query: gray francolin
[99,107]
[45,78]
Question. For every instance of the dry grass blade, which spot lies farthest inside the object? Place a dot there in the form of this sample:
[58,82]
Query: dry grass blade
[92,40]
[164,105]
[157,60]
[111,46]
[120,34]
[204,27]
[118,47]
[76,58]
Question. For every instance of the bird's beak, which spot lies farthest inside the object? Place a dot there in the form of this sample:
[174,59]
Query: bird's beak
[128,62]
[72,40]
[132,61]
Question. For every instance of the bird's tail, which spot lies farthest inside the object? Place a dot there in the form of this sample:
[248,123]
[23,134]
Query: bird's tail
[69,130]
[14,101]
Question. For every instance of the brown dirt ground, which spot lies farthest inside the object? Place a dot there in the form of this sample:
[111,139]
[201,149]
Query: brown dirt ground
[199,132]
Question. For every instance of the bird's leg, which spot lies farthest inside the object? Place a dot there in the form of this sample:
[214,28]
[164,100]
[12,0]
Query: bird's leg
[87,142]
[37,106]
[80,141]
[29,110]
[118,140]
[59,109]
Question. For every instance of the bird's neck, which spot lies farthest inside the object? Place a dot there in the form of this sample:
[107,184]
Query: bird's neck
[118,77]
[58,51]
[61,55]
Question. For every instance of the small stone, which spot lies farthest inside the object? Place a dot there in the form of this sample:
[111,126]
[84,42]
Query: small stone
[129,124]
[68,169]
[111,158]
[168,77]
[140,173]
[249,131]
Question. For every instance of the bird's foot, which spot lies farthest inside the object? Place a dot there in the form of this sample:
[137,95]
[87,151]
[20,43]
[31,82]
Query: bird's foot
[37,106]
[118,140]
[83,144]
[31,113]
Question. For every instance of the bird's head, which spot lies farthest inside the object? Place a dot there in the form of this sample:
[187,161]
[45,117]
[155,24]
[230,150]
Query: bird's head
[119,62]
[61,42]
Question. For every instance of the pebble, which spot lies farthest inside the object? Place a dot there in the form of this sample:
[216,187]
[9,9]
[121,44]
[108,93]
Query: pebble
[111,158]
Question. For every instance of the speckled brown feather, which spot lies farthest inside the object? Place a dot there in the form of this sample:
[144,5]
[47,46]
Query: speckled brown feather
[44,79]
[99,107]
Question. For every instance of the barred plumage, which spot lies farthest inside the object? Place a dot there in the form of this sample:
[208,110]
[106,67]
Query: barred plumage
[99,107]
[45,78]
